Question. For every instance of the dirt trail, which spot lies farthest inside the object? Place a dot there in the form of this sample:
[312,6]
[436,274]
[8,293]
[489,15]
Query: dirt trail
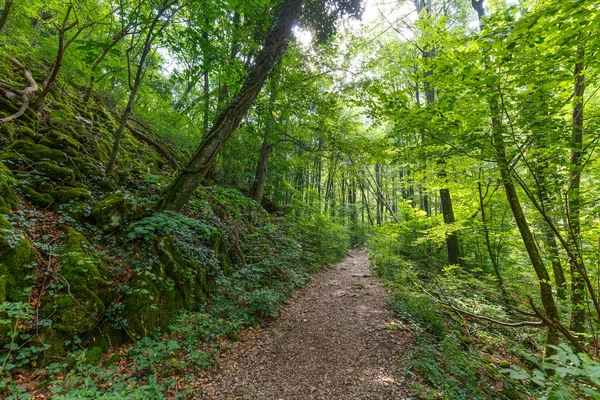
[330,343]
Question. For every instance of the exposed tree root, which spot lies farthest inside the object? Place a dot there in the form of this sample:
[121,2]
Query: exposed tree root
[26,94]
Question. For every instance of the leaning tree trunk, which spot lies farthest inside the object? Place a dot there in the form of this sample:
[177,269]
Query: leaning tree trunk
[512,197]
[188,180]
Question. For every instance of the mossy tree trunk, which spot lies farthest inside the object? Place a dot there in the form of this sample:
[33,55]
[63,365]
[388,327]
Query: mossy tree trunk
[188,180]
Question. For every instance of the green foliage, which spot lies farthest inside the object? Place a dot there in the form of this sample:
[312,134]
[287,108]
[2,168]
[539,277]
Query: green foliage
[163,223]
[564,375]
[326,238]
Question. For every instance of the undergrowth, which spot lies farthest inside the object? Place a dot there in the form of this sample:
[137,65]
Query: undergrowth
[279,255]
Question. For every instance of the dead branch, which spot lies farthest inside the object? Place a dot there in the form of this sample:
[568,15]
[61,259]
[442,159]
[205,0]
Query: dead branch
[26,94]
[535,324]
[164,152]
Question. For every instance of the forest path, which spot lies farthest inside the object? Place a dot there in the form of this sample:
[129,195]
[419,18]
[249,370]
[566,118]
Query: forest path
[330,343]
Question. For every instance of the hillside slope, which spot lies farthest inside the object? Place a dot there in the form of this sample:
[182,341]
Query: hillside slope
[86,264]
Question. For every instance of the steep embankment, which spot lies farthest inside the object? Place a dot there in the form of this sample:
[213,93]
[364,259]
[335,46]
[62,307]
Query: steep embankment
[86,265]
[336,341]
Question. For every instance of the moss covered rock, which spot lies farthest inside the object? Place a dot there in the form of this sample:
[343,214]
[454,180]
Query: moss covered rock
[109,212]
[8,199]
[41,200]
[37,152]
[67,195]
[173,283]
[17,263]
[25,132]
[17,270]
[54,171]
[7,132]
[86,167]
[86,292]
[56,139]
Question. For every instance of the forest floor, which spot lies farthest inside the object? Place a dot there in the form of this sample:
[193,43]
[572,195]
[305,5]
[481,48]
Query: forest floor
[337,340]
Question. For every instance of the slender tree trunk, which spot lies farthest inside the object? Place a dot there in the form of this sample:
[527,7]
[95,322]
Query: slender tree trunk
[365,202]
[139,74]
[116,39]
[573,199]
[512,197]
[188,180]
[260,176]
[206,108]
[488,244]
[63,44]
[451,238]
[5,12]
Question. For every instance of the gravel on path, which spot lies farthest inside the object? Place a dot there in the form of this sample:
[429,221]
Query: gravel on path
[332,342]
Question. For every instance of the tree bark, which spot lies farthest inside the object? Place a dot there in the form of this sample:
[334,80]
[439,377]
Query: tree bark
[488,244]
[546,296]
[188,180]
[573,199]
[260,176]
[63,44]
[139,74]
[5,11]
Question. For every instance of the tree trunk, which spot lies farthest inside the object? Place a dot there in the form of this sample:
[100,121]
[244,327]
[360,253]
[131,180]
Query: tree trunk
[188,180]
[116,39]
[573,199]
[526,235]
[512,197]
[488,244]
[260,176]
[139,74]
[5,11]
[60,53]
[451,238]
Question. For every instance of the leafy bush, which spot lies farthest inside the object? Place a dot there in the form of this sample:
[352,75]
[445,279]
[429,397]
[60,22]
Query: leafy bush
[319,233]
[162,223]
[565,375]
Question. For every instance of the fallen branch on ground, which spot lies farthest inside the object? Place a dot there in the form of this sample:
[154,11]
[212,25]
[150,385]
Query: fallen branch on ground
[164,152]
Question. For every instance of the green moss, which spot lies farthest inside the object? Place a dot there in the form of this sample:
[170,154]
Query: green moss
[8,199]
[7,132]
[54,171]
[73,194]
[82,303]
[46,188]
[17,262]
[25,132]
[60,140]
[177,284]
[109,212]
[56,341]
[30,117]
[7,107]
[37,152]
[86,167]
[41,200]
[106,185]
[93,355]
